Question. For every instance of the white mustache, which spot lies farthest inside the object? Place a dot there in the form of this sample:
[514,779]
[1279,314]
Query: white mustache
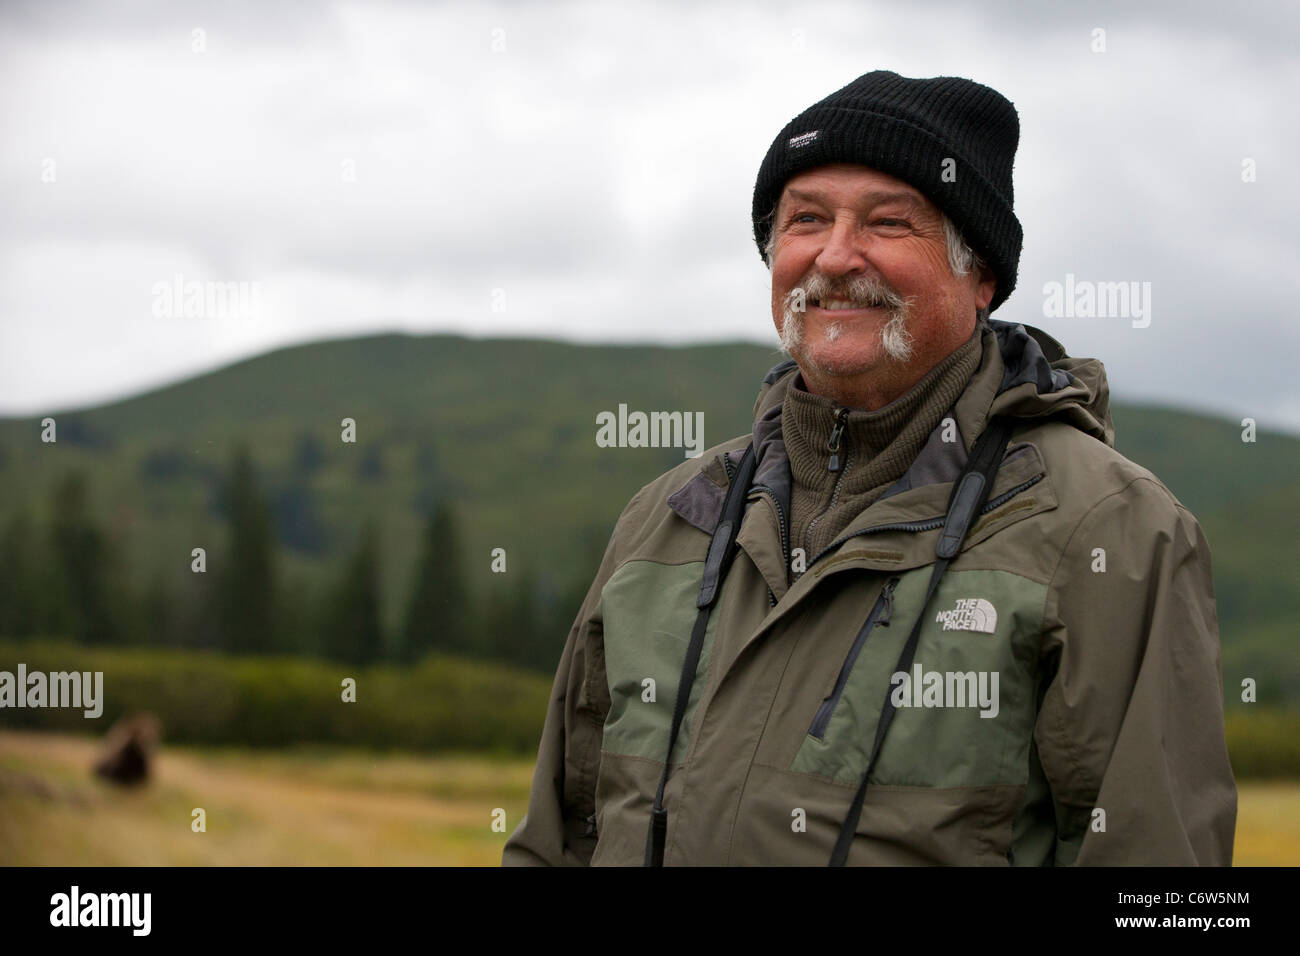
[863,291]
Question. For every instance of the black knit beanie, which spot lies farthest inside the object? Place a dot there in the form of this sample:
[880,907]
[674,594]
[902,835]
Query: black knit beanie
[908,128]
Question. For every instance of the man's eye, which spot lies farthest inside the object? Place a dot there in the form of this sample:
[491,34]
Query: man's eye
[804,215]
[891,222]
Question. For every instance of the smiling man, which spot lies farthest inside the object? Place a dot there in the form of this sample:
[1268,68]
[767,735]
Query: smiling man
[924,613]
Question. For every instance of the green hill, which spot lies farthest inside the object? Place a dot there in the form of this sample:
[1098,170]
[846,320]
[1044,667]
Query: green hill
[505,430]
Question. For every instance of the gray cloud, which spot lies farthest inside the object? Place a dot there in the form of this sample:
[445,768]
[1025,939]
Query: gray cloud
[599,171]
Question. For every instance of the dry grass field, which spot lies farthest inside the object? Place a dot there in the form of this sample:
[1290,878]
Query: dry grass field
[282,808]
[333,808]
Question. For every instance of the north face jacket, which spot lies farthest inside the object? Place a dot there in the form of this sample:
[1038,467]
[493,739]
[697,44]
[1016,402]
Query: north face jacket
[1065,701]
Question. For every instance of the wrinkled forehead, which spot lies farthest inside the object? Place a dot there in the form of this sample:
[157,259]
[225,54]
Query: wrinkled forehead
[851,183]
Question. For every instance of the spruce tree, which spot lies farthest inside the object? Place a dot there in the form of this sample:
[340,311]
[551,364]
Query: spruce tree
[353,631]
[20,598]
[246,590]
[81,567]
[438,612]
[511,620]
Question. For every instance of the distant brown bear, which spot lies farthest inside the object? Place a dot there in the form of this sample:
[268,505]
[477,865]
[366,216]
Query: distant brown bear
[128,750]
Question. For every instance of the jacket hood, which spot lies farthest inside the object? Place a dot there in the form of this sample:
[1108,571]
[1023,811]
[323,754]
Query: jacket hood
[1041,381]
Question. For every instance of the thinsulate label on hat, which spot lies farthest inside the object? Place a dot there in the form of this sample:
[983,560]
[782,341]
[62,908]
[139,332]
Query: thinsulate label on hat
[803,139]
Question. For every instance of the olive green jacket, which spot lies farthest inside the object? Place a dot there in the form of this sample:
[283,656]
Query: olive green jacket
[1065,704]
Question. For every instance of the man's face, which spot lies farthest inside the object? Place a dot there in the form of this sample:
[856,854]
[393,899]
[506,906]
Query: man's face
[849,233]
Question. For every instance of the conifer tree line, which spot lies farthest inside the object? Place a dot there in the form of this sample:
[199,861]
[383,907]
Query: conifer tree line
[61,577]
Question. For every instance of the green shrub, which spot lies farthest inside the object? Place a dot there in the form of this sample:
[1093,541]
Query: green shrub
[443,703]
[1264,743]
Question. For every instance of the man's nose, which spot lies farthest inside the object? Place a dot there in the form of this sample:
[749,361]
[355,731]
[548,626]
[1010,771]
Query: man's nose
[844,249]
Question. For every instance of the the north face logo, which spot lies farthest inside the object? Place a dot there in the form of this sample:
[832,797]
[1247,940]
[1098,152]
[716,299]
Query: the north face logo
[802,140]
[970,614]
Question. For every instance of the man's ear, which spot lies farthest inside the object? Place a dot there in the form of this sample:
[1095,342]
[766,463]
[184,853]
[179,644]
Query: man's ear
[986,287]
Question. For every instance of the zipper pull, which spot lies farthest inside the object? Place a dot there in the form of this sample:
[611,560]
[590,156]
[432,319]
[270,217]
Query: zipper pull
[841,417]
[888,595]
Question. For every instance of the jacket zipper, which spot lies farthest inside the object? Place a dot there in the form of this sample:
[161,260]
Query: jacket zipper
[833,445]
[833,465]
[781,523]
[880,614]
[929,524]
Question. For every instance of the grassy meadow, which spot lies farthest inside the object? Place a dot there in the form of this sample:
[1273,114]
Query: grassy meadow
[263,807]
[339,807]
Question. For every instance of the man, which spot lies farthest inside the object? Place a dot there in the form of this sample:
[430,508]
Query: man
[955,626]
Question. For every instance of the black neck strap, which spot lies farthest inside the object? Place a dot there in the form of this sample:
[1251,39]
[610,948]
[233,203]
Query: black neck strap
[721,550]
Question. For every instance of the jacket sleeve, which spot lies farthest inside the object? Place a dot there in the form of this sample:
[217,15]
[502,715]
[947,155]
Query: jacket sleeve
[1130,731]
[559,826]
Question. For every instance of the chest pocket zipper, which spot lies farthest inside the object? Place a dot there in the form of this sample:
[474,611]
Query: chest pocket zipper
[880,614]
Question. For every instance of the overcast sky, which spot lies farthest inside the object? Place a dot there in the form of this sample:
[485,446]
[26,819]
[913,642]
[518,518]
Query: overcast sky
[584,171]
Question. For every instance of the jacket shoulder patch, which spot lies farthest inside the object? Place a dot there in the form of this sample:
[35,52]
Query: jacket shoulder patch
[699,502]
